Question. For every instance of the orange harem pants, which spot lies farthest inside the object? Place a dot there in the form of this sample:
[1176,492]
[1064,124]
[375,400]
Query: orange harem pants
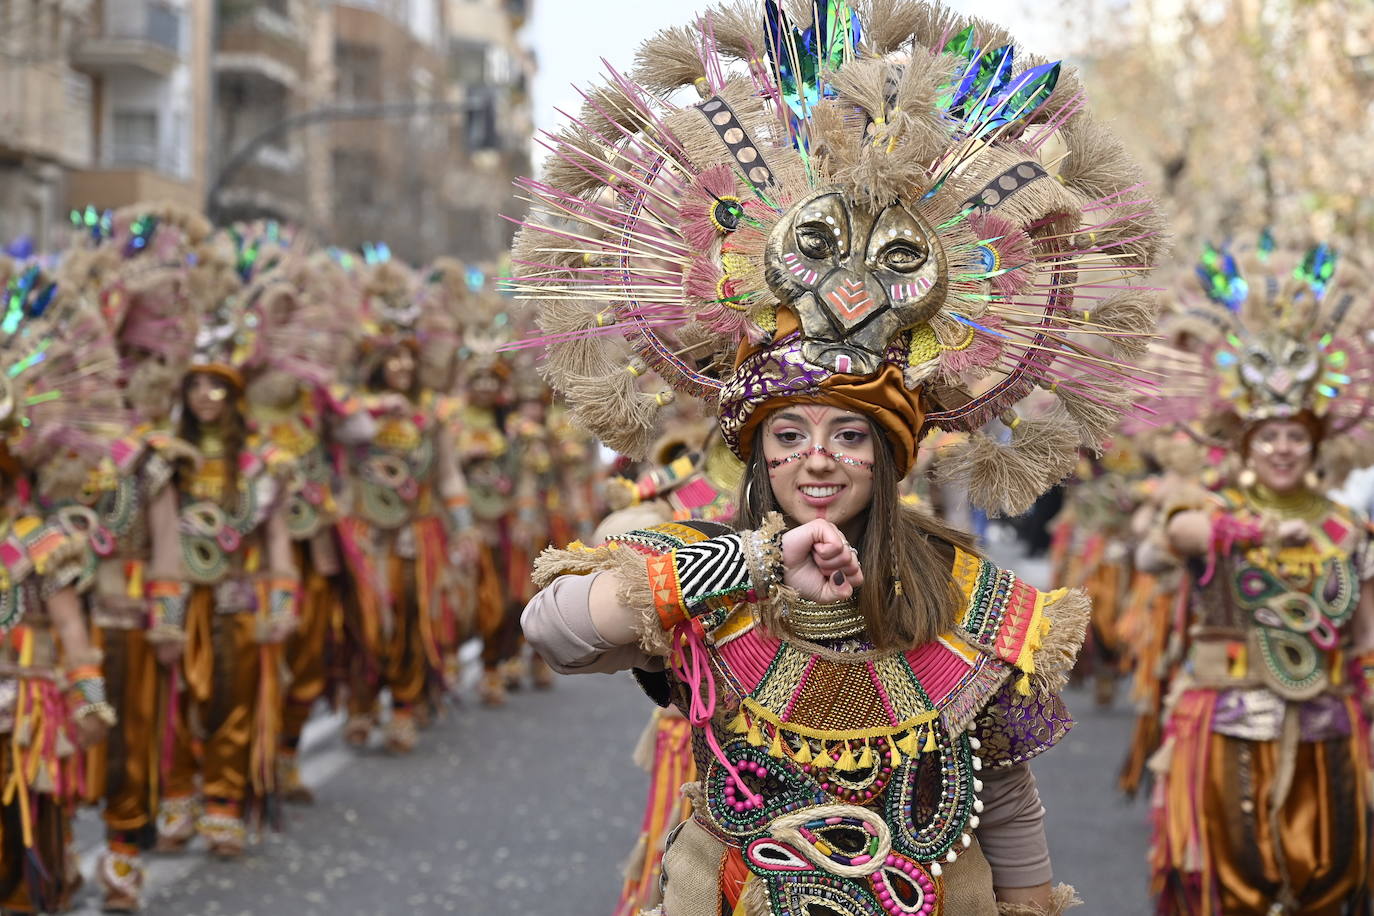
[404,664]
[125,769]
[228,688]
[305,653]
[24,886]
[1216,815]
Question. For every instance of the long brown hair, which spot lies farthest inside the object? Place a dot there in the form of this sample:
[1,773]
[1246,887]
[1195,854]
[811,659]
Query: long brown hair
[234,433]
[897,544]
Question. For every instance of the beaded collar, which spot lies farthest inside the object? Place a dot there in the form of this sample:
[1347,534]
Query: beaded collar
[818,622]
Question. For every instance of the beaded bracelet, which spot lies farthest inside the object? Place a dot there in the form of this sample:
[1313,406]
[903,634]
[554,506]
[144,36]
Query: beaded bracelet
[459,513]
[102,711]
[282,594]
[167,600]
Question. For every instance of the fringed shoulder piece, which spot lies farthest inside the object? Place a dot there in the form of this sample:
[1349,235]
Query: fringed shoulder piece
[41,547]
[1037,633]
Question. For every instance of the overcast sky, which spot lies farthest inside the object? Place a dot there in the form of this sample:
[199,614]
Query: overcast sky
[572,36]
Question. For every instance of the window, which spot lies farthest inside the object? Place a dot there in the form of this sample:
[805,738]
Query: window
[467,62]
[479,123]
[134,139]
[359,70]
[356,177]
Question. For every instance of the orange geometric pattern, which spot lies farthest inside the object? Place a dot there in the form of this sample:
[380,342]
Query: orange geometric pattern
[667,593]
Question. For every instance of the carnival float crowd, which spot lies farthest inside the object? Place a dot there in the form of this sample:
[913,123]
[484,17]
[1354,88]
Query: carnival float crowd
[244,476]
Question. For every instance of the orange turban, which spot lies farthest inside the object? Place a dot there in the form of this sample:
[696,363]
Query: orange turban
[767,378]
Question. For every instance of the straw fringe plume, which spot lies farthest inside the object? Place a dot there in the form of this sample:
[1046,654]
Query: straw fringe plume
[1099,168]
[1005,479]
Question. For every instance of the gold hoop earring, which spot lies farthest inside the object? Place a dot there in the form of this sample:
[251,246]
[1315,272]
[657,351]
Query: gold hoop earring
[1247,478]
[1312,480]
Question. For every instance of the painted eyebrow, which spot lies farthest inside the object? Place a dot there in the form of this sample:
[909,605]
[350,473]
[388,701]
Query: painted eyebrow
[798,418]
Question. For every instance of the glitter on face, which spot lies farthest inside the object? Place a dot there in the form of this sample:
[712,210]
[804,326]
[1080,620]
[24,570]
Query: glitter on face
[775,463]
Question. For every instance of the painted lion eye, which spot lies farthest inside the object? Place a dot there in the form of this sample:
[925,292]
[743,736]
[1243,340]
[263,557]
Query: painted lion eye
[815,240]
[903,256]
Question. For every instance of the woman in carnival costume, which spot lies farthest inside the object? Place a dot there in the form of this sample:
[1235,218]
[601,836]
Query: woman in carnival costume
[489,467]
[409,506]
[1262,796]
[295,403]
[134,264]
[60,412]
[859,218]
[237,554]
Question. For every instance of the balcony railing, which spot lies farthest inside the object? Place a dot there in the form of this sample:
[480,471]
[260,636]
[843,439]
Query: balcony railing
[141,156]
[146,21]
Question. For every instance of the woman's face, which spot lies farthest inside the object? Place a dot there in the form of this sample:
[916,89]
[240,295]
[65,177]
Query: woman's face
[398,371]
[1281,454]
[207,397]
[820,462]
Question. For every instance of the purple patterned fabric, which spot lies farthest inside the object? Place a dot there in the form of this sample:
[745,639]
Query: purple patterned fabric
[777,372]
[1014,728]
[1257,715]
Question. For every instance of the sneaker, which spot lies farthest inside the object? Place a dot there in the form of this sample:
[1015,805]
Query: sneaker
[176,823]
[121,877]
[400,733]
[293,788]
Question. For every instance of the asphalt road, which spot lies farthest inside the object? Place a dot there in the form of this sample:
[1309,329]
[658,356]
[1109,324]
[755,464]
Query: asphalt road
[530,810]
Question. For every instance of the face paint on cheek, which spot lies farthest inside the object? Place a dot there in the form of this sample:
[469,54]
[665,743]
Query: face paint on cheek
[841,457]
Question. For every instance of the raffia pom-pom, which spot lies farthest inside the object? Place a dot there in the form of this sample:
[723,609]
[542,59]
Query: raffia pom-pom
[1061,639]
[1129,319]
[1005,479]
[615,410]
[1096,413]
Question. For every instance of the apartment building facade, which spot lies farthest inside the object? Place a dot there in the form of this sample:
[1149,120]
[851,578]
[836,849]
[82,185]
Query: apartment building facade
[358,120]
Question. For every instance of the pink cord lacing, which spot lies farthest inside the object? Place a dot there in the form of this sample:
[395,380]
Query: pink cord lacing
[694,669]
[1227,531]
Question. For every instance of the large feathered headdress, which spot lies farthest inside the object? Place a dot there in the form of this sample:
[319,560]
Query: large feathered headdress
[1275,333]
[135,265]
[60,404]
[878,205]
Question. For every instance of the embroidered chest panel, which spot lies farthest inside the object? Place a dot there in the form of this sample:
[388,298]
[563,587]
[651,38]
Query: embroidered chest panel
[312,506]
[1297,603]
[395,470]
[856,774]
[211,534]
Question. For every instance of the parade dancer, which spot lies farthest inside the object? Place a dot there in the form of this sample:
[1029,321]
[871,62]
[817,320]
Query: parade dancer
[295,404]
[488,466]
[1261,803]
[237,553]
[60,412]
[409,505]
[855,220]
[135,266]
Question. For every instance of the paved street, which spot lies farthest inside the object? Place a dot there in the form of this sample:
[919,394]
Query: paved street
[531,809]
